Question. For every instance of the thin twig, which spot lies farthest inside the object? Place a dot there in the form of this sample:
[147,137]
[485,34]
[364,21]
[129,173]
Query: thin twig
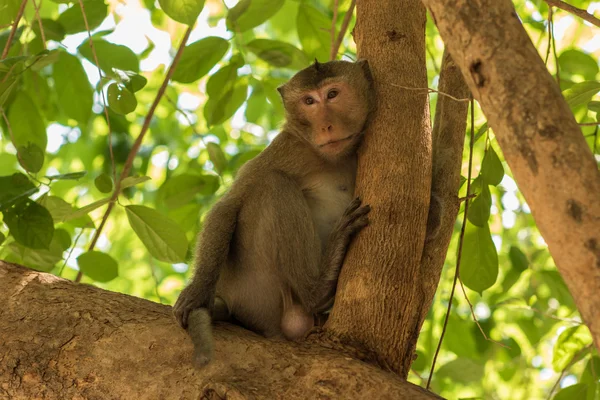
[537,311]
[138,141]
[486,337]
[336,47]
[430,90]
[549,26]
[435,66]
[583,14]
[333,52]
[554,49]
[93,48]
[39,21]
[13,30]
[589,123]
[574,360]
[70,252]
[460,246]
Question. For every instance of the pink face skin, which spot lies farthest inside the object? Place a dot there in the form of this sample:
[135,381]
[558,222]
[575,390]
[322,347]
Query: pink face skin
[336,117]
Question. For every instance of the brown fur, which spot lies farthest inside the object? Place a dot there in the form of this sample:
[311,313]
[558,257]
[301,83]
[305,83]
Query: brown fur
[271,249]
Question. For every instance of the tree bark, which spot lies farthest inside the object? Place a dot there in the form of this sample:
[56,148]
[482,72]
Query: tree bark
[59,340]
[379,301]
[538,134]
[448,138]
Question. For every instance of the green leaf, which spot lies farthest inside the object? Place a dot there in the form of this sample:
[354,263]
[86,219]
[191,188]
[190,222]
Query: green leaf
[163,238]
[57,207]
[222,81]
[594,106]
[575,62]
[247,14]
[78,213]
[26,123]
[184,11]
[104,183]
[216,156]
[479,259]
[217,111]
[30,224]
[581,93]
[133,180]
[480,132]
[479,208]
[31,157]
[53,30]
[570,342]
[2,238]
[75,94]
[461,370]
[14,188]
[199,57]
[256,105]
[573,392]
[133,82]
[518,259]
[99,266]
[183,189]
[72,176]
[121,100]
[314,32]
[278,54]
[72,18]
[492,170]
[8,12]
[110,56]
[591,376]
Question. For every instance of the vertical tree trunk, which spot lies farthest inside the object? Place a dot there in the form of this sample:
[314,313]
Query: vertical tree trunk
[379,301]
[539,137]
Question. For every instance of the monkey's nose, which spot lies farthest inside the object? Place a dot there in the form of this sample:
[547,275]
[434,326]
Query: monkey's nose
[327,128]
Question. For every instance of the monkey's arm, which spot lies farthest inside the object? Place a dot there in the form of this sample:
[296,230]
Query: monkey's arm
[311,273]
[211,253]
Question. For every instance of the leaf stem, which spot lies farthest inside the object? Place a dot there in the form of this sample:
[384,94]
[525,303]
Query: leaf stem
[13,30]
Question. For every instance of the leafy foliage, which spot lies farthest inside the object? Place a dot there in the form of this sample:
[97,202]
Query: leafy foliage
[68,126]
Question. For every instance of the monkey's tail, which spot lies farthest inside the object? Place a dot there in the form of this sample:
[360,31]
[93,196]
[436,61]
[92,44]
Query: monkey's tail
[200,330]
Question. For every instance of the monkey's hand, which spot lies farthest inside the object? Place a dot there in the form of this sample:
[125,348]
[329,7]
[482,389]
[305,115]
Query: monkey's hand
[191,298]
[354,219]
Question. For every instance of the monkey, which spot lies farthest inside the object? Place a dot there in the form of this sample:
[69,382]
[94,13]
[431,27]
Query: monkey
[270,251]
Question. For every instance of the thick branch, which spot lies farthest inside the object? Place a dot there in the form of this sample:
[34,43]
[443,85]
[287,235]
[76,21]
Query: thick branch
[59,340]
[448,138]
[583,14]
[538,134]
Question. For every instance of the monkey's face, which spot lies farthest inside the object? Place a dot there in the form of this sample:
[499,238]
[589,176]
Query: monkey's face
[334,116]
[329,104]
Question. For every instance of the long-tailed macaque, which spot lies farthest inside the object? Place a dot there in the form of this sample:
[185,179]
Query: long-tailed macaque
[271,249]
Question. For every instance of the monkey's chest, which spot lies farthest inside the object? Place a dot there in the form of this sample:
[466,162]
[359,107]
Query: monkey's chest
[328,197]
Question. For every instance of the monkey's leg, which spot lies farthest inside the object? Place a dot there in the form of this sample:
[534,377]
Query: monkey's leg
[200,330]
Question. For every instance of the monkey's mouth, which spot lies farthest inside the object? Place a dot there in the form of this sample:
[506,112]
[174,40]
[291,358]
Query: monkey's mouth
[337,140]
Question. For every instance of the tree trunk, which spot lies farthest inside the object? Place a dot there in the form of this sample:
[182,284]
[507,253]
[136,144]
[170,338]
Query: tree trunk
[60,340]
[538,134]
[379,301]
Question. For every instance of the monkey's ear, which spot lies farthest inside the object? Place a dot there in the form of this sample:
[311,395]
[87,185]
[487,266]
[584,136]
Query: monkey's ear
[364,64]
[281,89]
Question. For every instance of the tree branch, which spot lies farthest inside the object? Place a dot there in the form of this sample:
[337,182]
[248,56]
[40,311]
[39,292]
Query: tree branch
[583,14]
[550,159]
[66,340]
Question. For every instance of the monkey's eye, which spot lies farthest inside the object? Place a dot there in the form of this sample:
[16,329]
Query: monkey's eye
[309,100]
[332,93]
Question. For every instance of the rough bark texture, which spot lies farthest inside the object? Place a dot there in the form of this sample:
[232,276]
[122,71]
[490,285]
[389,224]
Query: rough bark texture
[538,134]
[448,141]
[379,301]
[61,340]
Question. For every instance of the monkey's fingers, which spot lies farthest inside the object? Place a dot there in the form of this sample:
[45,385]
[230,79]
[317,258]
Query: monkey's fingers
[353,206]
